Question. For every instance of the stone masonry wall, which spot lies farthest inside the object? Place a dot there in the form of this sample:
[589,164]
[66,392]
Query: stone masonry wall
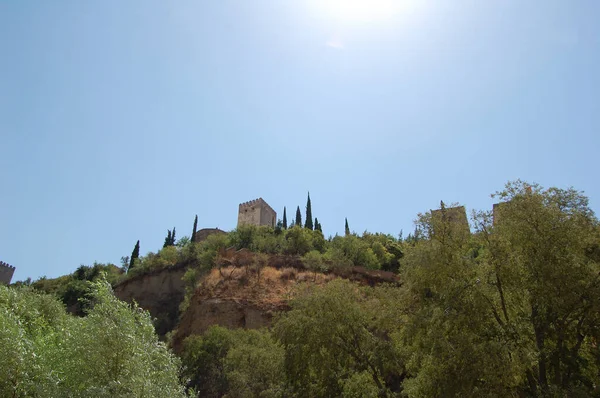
[6,273]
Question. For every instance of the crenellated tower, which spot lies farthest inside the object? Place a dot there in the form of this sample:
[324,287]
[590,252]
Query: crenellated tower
[256,212]
[6,273]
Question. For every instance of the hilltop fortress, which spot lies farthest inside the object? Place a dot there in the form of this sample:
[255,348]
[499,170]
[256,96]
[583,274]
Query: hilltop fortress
[256,212]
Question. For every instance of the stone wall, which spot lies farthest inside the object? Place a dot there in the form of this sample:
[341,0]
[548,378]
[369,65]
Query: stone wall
[6,273]
[256,212]
[202,234]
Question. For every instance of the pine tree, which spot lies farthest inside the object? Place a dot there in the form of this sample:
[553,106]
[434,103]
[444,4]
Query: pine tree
[135,254]
[284,219]
[193,238]
[298,217]
[347,228]
[309,220]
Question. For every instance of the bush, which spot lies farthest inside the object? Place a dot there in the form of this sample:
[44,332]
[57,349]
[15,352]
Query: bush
[113,352]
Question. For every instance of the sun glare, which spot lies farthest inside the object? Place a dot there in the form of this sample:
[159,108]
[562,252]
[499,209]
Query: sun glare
[361,10]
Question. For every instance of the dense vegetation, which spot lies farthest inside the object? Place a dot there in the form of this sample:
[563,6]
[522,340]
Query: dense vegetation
[111,352]
[509,309]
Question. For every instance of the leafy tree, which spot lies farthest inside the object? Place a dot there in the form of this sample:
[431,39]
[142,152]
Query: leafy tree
[234,363]
[298,240]
[112,352]
[193,238]
[298,217]
[313,260]
[203,360]
[309,221]
[183,241]
[135,254]
[510,311]
[254,365]
[334,332]
[346,228]
[285,224]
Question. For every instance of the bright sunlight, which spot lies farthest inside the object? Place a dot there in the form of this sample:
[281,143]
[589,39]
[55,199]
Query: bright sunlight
[361,10]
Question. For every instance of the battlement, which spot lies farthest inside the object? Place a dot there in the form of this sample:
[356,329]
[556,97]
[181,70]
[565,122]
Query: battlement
[256,212]
[255,202]
[6,272]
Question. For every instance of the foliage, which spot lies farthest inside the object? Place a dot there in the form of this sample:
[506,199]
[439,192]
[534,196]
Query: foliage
[235,363]
[309,220]
[170,239]
[334,333]
[71,289]
[510,311]
[135,254]
[193,238]
[346,228]
[113,352]
[285,223]
[298,217]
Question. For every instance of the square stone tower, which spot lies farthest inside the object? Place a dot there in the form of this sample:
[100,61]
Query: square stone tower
[6,273]
[256,212]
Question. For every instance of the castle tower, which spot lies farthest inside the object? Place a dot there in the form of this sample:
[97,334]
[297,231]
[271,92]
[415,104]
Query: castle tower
[6,273]
[256,212]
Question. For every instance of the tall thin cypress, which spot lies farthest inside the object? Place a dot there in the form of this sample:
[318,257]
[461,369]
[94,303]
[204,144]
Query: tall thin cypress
[284,219]
[194,230]
[298,217]
[135,254]
[347,229]
[168,239]
[173,238]
[309,220]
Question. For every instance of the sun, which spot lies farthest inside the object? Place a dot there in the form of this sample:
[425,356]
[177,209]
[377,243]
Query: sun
[361,10]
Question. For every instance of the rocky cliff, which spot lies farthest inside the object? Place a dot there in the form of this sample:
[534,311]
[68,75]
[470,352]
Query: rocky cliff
[160,292]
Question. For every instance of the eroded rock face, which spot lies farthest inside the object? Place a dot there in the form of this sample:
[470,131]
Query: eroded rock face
[229,313]
[160,292]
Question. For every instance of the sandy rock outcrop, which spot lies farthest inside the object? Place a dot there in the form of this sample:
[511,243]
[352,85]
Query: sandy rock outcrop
[160,292]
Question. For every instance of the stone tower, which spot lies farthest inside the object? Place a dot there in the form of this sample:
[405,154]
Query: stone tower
[256,212]
[6,273]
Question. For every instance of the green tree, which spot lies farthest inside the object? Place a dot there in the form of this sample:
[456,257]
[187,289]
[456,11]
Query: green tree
[317,225]
[112,352]
[167,239]
[346,228]
[285,224]
[309,221]
[193,238]
[510,311]
[298,217]
[170,239]
[334,332]
[135,254]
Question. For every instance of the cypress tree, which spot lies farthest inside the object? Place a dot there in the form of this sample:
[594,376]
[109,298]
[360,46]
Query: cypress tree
[173,238]
[193,238]
[309,220]
[298,217]
[167,239]
[317,225]
[135,254]
[347,228]
[284,219]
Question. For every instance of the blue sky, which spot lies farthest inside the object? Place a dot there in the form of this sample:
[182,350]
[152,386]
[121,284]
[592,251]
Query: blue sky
[122,119]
